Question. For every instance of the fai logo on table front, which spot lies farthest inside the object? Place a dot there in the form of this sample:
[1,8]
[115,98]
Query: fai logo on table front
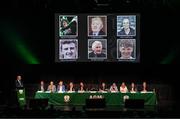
[125,97]
[66,98]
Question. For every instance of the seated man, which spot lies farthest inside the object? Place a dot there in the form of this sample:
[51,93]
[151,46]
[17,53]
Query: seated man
[61,87]
[52,87]
[123,88]
[113,88]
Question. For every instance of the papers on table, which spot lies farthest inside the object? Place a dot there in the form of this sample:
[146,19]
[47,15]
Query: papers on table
[92,91]
[47,91]
[133,92]
[60,92]
[146,91]
[114,91]
[39,91]
[70,91]
[81,91]
[102,91]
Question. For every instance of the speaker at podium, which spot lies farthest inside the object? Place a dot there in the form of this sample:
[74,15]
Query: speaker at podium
[21,96]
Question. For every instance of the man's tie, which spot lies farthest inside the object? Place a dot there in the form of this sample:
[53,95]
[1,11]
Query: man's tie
[20,83]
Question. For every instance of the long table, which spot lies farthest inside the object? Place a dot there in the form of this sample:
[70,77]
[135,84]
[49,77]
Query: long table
[80,98]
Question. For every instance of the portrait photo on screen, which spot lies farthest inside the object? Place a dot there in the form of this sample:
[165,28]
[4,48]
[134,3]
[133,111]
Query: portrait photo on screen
[97,26]
[97,49]
[126,49]
[126,25]
[68,25]
[68,49]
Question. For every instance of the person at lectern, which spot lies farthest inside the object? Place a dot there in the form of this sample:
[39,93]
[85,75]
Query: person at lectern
[19,83]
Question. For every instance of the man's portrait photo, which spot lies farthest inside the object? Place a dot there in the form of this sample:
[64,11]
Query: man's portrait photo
[68,25]
[68,49]
[126,49]
[126,25]
[97,49]
[97,25]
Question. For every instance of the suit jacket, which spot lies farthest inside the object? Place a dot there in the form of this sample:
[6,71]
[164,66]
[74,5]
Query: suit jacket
[19,84]
[92,54]
[100,33]
[63,88]
[131,32]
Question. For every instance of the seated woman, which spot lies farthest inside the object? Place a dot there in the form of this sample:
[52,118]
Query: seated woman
[103,88]
[144,88]
[81,87]
[133,88]
[113,88]
[123,88]
[71,87]
[41,86]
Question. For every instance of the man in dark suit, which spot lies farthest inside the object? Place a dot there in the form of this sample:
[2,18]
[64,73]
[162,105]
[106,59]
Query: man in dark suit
[126,30]
[19,83]
[96,27]
[97,50]
[97,33]
[61,87]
